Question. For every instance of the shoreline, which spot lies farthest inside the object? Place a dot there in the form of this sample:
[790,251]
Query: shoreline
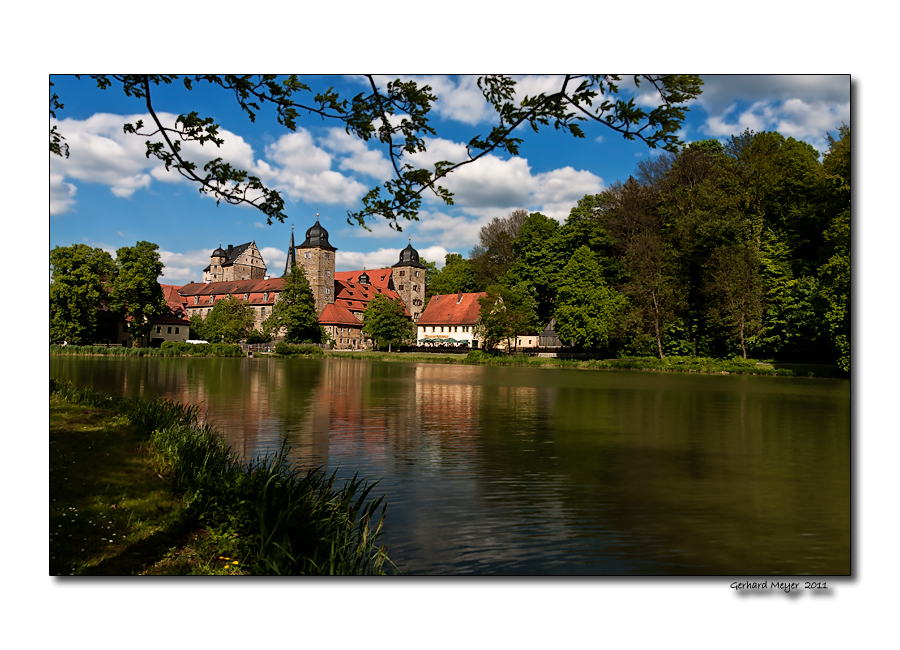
[691,365]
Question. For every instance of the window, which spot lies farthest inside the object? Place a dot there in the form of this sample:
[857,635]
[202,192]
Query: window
[327,273]
[176,330]
[417,274]
[402,273]
[327,256]
[170,331]
[306,255]
[401,287]
[196,299]
[327,292]
[158,329]
[263,313]
[415,287]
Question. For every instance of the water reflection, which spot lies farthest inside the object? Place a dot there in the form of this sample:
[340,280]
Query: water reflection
[516,470]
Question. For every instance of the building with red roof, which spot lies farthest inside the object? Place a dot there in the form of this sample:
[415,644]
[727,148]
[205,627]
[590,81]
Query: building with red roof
[340,298]
[450,320]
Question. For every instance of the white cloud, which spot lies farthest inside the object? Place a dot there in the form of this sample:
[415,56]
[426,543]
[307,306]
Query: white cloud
[181,268]
[558,191]
[62,195]
[379,259]
[361,159]
[804,107]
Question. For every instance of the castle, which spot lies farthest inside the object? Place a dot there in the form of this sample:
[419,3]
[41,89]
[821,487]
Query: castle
[340,297]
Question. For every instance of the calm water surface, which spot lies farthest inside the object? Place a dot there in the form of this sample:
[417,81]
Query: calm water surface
[492,470]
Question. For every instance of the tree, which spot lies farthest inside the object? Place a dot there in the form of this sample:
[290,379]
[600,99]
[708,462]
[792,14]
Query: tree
[457,276]
[135,290]
[538,259]
[735,286]
[835,272]
[385,321]
[295,312]
[493,256]
[229,321]
[588,310]
[80,276]
[633,219]
[374,114]
[505,312]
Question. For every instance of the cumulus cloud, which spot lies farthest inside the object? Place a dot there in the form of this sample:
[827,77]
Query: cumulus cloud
[100,152]
[360,158]
[181,268]
[62,194]
[804,107]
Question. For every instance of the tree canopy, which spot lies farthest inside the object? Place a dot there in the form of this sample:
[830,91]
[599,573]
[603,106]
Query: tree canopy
[398,116]
[229,321]
[135,289]
[385,322]
[80,278]
[294,314]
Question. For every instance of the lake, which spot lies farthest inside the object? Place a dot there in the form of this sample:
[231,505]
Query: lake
[530,471]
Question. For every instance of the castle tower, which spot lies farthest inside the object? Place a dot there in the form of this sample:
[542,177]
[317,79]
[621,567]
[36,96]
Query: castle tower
[316,256]
[214,272]
[409,281]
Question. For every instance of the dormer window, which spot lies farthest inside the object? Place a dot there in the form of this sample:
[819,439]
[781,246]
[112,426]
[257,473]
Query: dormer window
[246,297]
[266,297]
[211,298]
[196,300]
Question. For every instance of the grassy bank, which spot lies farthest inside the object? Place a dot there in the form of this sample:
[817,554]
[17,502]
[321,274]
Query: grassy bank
[706,365]
[168,349]
[143,487]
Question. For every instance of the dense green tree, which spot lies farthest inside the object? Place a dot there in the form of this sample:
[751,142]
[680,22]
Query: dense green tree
[458,275]
[385,322]
[633,220]
[80,276]
[538,259]
[588,310]
[229,321]
[294,314]
[200,331]
[506,312]
[135,289]
[835,272]
[494,256]
[734,282]
[373,114]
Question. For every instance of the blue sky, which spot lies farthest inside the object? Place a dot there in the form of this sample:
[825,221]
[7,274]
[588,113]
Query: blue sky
[108,194]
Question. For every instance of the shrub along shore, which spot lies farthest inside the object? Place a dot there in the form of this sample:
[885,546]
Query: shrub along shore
[142,486]
[706,365]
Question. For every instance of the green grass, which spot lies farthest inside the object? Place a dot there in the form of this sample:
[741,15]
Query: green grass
[143,487]
[706,365]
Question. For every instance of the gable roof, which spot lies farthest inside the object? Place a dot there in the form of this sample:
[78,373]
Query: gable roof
[377,277]
[335,314]
[356,297]
[232,286]
[452,309]
[234,252]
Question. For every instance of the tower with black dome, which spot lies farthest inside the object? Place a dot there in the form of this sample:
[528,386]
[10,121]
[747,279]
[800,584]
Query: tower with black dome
[316,256]
[408,277]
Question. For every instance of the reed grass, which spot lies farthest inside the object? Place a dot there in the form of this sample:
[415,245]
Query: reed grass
[264,516]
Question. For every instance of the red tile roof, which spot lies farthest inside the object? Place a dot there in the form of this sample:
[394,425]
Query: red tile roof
[356,297]
[452,309]
[377,277]
[335,314]
[238,287]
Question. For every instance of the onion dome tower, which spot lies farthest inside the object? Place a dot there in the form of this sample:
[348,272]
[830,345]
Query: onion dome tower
[408,277]
[316,256]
